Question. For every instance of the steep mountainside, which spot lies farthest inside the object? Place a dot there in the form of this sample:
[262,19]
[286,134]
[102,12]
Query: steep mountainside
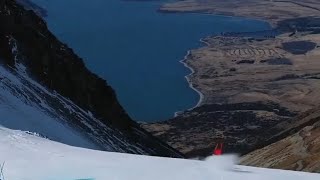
[299,151]
[63,84]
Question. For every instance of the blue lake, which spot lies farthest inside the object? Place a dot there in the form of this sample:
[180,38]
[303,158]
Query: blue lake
[137,50]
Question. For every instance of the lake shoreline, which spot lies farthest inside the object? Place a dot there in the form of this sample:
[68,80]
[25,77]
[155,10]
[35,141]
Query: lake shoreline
[193,70]
[245,78]
[201,96]
[184,61]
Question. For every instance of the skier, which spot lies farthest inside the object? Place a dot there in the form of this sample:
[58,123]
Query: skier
[218,149]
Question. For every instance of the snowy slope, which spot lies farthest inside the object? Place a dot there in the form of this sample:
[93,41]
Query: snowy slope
[29,157]
[26,105]
[22,109]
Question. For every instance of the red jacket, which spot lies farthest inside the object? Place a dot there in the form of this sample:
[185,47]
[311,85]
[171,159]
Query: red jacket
[218,149]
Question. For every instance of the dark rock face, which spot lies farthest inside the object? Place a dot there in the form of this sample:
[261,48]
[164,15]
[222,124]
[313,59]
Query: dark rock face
[29,5]
[5,50]
[58,68]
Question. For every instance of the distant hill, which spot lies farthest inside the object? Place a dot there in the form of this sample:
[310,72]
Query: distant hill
[299,151]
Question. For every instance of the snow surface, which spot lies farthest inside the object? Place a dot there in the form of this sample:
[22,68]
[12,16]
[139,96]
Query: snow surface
[19,111]
[29,157]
